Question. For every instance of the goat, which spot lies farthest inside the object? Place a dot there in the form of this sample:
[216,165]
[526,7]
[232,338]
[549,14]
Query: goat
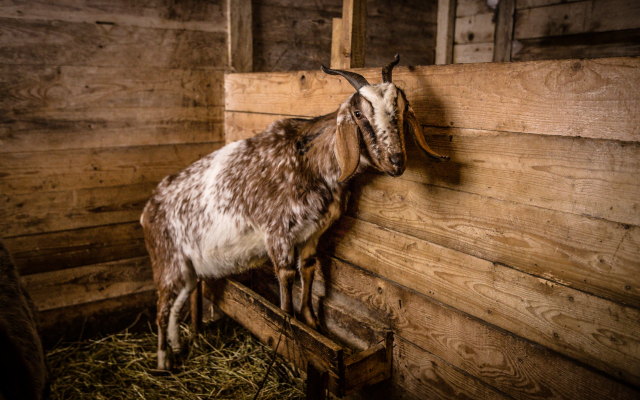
[24,371]
[271,196]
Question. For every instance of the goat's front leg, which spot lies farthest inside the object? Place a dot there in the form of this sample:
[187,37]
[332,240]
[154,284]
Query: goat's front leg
[282,256]
[307,264]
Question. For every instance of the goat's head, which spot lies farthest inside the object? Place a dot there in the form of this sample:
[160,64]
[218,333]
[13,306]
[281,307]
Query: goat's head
[376,116]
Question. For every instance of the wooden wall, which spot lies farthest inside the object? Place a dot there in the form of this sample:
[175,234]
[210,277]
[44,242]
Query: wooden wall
[550,29]
[510,272]
[99,101]
[296,35]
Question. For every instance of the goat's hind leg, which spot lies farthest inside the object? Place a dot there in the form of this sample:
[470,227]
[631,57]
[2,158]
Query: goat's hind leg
[166,298]
[190,282]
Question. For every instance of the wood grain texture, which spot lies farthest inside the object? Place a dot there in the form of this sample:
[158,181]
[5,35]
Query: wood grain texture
[37,87]
[185,15]
[238,125]
[467,8]
[473,53]
[299,343]
[598,332]
[446,29]
[478,28]
[592,255]
[540,3]
[354,23]
[74,286]
[27,172]
[40,212]
[240,37]
[514,366]
[97,318]
[504,31]
[578,17]
[595,178]
[588,98]
[336,40]
[429,377]
[588,45]
[101,44]
[99,128]
[75,248]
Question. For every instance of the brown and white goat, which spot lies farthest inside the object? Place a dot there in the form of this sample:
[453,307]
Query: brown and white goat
[23,367]
[271,196]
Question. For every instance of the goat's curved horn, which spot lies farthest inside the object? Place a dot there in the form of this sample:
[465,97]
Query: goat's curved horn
[387,70]
[356,80]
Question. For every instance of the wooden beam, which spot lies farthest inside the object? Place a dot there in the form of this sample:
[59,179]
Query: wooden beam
[504,31]
[336,43]
[240,36]
[352,43]
[299,343]
[445,33]
[587,98]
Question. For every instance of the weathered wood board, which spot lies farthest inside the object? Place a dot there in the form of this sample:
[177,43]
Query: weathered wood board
[586,98]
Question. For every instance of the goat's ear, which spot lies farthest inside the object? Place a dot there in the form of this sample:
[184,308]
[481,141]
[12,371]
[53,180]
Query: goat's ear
[412,124]
[347,143]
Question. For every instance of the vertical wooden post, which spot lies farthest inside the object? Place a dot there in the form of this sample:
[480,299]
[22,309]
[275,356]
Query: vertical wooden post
[240,35]
[348,50]
[504,31]
[336,43]
[196,308]
[317,382]
[445,31]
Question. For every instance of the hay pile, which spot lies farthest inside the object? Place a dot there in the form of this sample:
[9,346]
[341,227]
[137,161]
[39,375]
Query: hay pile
[225,362]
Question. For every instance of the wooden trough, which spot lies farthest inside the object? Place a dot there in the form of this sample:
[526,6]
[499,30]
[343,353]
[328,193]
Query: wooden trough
[326,362]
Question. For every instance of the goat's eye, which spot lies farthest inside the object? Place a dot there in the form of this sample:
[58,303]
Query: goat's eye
[358,114]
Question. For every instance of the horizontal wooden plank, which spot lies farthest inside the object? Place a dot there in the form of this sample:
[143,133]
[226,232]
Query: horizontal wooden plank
[76,248]
[59,170]
[540,3]
[97,318]
[429,377]
[41,212]
[588,98]
[100,44]
[75,286]
[589,254]
[473,53]
[206,16]
[514,366]
[589,45]
[34,87]
[299,344]
[54,129]
[596,331]
[479,28]
[239,125]
[578,17]
[596,178]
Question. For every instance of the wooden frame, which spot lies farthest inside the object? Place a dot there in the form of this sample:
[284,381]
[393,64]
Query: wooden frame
[324,360]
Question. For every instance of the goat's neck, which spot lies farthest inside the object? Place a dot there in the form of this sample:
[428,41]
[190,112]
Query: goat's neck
[320,137]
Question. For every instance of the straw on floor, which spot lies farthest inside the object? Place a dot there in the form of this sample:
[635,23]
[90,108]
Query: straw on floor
[225,362]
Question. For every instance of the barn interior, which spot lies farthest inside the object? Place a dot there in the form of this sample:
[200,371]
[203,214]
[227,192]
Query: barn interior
[510,272]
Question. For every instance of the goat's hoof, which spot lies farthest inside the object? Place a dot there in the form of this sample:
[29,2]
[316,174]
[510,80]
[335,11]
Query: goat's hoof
[164,361]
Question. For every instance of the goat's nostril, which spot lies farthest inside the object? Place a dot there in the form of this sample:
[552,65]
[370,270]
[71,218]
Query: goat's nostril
[396,159]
